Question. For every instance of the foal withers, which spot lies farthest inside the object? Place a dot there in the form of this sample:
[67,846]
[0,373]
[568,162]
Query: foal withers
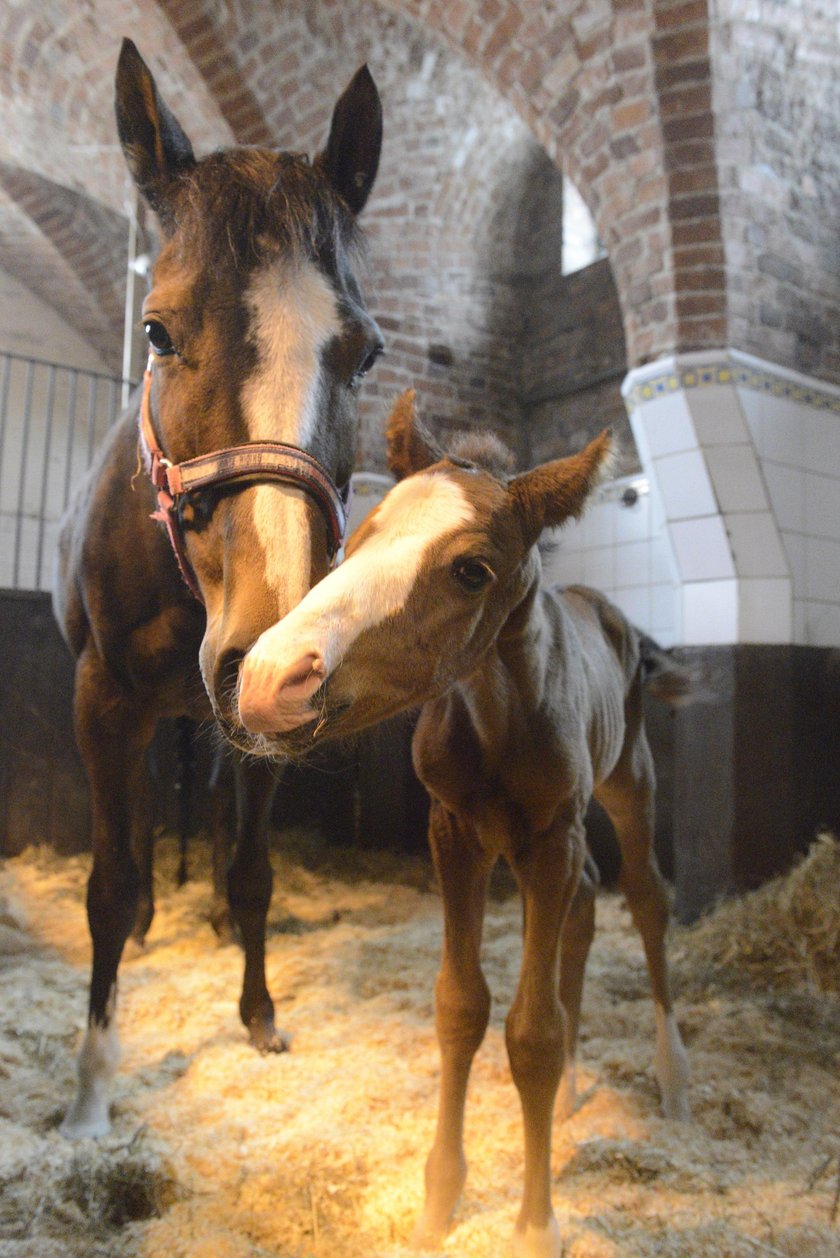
[532,702]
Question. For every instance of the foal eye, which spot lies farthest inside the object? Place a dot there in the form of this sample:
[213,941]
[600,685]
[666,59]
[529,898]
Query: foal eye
[159,339]
[472,574]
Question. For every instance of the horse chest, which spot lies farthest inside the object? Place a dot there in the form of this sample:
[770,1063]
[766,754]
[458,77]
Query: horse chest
[513,781]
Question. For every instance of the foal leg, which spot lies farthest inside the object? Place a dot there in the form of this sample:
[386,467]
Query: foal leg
[576,940]
[112,736]
[547,869]
[462,1010]
[249,895]
[628,797]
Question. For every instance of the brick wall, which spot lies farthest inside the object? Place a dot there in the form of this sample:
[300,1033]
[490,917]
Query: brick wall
[777,113]
[701,133]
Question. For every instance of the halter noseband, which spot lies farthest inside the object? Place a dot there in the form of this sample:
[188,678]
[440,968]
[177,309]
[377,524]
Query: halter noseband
[258,460]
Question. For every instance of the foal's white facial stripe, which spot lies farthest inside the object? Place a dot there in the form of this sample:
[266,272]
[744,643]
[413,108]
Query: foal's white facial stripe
[294,313]
[376,581]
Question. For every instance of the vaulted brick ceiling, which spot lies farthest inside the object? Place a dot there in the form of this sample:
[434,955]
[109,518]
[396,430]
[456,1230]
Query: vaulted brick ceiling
[617,92]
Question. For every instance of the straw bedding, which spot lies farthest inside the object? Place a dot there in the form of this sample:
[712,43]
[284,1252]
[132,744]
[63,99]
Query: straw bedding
[217,1152]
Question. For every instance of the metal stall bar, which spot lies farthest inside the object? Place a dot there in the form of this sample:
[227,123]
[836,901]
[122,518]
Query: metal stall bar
[4,406]
[91,423]
[71,436]
[24,458]
[45,474]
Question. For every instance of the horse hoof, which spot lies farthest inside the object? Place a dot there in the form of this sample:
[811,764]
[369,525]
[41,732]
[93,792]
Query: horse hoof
[85,1124]
[222,923]
[266,1038]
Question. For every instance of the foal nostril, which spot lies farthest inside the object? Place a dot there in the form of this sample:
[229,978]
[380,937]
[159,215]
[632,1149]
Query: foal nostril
[226,678]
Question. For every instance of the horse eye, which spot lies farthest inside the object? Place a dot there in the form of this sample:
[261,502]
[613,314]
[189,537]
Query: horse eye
[366,364]
[472,574]
[159,338]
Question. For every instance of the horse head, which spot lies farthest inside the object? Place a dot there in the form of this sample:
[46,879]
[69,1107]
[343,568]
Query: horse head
[437,573]
[258,336]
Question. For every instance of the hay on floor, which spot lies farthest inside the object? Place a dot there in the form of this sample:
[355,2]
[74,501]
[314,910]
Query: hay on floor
[786,933]
[217,1152]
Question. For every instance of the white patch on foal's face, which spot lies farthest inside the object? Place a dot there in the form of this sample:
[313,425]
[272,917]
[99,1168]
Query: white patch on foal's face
[294,314]
[373,583]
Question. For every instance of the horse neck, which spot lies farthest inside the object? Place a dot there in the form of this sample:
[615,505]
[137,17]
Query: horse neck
[507,686]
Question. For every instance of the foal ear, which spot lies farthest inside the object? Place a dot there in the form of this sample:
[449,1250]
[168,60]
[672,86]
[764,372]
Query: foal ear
[351,158]
[555,491]
[155,146]
[410,447]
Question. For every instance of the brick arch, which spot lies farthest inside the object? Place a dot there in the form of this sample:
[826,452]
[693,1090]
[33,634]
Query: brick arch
[71,251]
[585,82]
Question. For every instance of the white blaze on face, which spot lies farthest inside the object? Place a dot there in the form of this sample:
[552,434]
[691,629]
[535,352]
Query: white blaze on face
[373,584]
[294,314]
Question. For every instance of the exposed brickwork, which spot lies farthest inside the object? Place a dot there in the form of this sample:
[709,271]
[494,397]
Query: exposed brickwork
[706,149]
[684,87]
[94,242]
[777,107]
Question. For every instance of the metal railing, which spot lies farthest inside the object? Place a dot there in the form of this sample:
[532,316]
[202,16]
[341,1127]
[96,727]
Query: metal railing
[52,420]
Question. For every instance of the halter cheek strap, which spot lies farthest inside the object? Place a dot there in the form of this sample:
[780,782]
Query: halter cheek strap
[256,461]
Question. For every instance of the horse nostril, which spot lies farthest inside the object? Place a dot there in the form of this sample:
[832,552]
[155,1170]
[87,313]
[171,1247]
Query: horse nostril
[226,678]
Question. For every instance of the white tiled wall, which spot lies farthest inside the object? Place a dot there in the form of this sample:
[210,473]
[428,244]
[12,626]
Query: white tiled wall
[746,458]
[622,550]
[798,445]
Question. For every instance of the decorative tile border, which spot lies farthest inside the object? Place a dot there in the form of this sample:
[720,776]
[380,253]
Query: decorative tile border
[740,375]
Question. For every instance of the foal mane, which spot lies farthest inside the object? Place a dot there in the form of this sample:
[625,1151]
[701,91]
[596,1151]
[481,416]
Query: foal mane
[485,450]
[254,203]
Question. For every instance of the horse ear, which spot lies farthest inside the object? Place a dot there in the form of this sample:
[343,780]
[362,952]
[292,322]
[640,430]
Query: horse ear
[351,158]
[410,447]
[155,146]
[556,491]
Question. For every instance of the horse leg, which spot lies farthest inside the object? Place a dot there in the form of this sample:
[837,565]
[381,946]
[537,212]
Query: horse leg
[462,1010]
[547,869]
[112,736]
[220,824]
[628,797]
[143,850]
[249,895]
[575,942]
[185,750]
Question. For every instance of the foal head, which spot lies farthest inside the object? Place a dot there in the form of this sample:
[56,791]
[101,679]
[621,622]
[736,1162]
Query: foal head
[257,332]
[431,579]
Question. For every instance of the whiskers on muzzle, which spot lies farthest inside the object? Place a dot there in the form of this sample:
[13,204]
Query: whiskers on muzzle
[292,744]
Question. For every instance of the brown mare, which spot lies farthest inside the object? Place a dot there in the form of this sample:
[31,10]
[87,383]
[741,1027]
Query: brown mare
[258,338]
[532,702]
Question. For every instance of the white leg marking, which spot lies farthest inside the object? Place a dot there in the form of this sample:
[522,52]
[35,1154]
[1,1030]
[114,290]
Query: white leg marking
[671,1066]
[538,1242]
[97,1063]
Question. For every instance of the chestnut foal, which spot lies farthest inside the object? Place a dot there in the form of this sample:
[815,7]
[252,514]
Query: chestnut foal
[532,702]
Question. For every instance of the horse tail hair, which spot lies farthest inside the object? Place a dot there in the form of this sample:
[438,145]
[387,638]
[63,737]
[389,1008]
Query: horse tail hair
[184,783]
[670,681]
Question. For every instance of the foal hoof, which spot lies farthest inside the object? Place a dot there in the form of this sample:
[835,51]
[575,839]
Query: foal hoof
[538,1242]
[266,1038]
[427,1235]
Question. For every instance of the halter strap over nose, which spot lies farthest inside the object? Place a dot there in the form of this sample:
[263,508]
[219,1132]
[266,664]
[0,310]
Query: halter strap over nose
[255,461]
